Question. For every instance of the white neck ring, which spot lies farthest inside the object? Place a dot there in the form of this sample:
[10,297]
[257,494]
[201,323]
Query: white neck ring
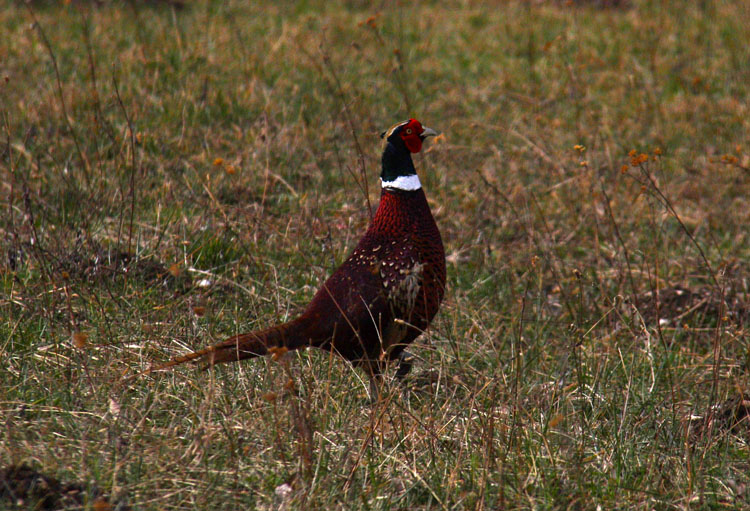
[409,183]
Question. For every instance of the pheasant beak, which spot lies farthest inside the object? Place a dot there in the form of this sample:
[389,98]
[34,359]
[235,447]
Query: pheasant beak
[427,132]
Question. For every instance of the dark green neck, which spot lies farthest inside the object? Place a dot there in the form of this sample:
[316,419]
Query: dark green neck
[396,161]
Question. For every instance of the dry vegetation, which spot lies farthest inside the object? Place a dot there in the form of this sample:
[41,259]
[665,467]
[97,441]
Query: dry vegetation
[173,176]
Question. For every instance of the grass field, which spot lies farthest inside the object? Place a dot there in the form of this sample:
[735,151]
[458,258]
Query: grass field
[172,176]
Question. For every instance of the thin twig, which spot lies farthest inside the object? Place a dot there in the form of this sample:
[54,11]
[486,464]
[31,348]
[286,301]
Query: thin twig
[132,159]
[401,82]
[668,203]
[11,167]
[338,92]
[84,161]
[349,120]
[94,82]
[618,236]
[530,235]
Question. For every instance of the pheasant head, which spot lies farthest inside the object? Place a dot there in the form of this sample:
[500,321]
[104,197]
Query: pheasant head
[401,140]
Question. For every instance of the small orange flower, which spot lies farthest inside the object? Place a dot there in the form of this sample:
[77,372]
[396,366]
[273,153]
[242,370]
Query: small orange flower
[657,151]
[624,169]
[579,148]
[370,22]
[637,159]
[218,161]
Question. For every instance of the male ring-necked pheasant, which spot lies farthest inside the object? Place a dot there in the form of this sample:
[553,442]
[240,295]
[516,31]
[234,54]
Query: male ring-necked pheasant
[383,296]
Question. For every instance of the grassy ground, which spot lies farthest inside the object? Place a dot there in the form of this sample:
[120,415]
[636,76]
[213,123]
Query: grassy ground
[173,176]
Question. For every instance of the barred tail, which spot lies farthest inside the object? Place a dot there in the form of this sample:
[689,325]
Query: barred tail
[250,345]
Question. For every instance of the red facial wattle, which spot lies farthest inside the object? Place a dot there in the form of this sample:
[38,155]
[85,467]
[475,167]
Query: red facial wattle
[410,134]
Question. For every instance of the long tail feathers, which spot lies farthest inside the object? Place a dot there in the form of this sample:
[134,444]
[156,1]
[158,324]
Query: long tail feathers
[239,347]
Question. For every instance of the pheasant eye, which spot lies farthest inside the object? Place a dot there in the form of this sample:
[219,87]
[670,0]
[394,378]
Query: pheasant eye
[408,131]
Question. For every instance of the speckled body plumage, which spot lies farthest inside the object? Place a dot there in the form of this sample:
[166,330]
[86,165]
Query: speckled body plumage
[383,296]
[389,289]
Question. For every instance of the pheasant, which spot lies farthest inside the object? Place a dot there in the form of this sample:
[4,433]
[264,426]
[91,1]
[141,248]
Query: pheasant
[383,296]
